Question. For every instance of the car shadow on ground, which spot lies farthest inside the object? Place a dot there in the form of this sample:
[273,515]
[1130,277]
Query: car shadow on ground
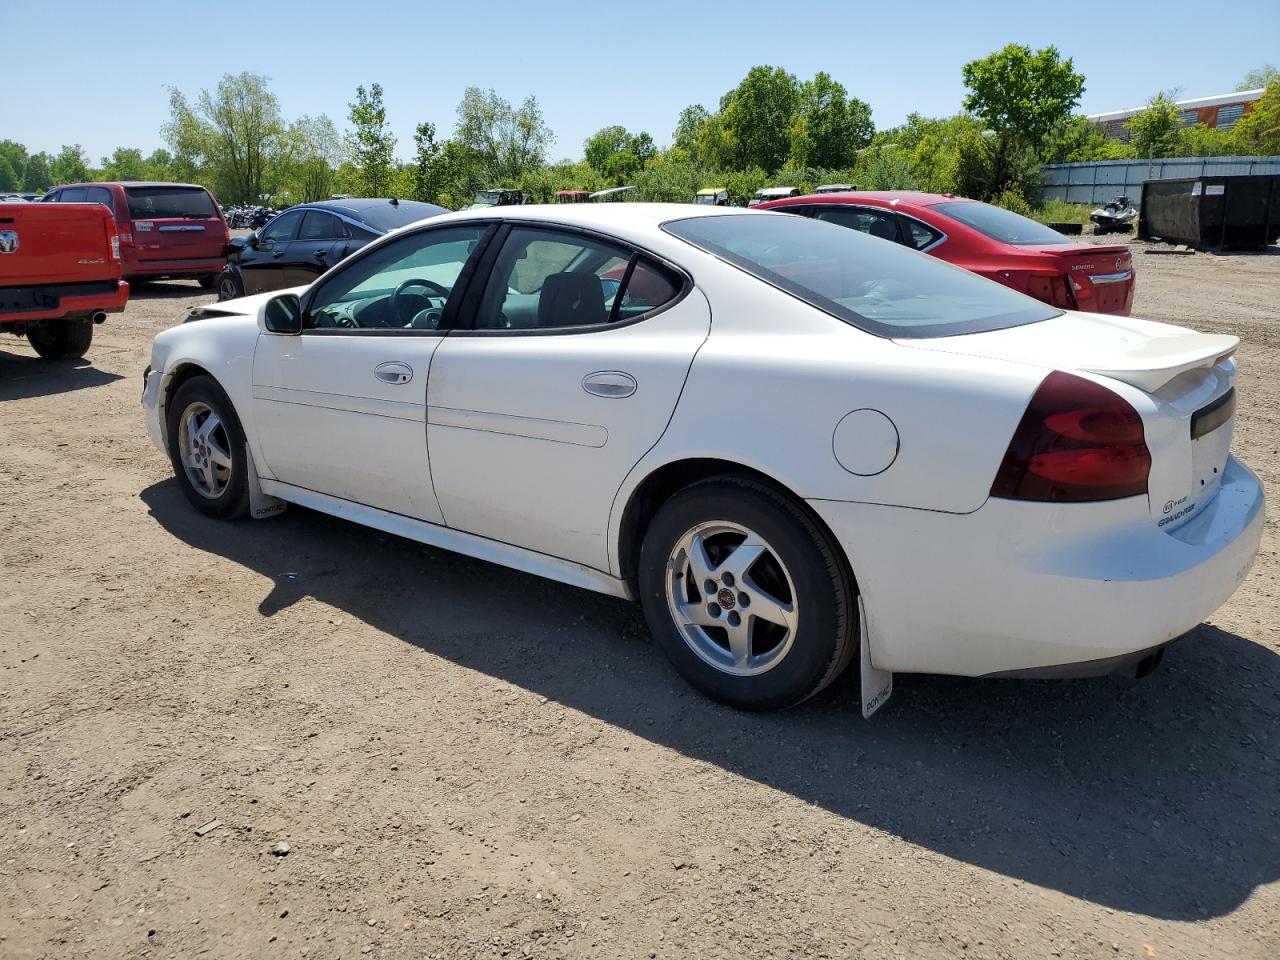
[167,289]
[1155,796]
[23,377]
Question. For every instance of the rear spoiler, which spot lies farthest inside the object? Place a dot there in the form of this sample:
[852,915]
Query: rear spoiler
[1156,362]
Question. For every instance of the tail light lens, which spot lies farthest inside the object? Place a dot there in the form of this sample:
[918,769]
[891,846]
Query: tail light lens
[1078,441]
[1051,289]
[113,239]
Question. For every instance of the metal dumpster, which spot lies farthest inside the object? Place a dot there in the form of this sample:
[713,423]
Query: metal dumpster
[1230,212]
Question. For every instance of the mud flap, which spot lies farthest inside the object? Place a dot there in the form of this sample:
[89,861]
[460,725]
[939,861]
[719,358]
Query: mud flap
[877,685]
[262,506]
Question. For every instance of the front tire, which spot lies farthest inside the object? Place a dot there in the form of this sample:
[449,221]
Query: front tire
[208,450]
[61,339]
[229,286]
[746,595]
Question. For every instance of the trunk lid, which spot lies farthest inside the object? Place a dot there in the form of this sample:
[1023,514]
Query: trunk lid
[43,244]
[175,223]
[1186,383]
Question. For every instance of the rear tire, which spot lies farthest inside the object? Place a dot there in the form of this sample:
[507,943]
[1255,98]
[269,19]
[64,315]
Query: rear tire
[775,634]
[61,339]
[208,450]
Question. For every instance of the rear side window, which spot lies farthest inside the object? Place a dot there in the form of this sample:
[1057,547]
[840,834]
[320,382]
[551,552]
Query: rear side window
[100,195]
[548,280]
[319,225]
[877,223]
[190,203]
[1000,224]
[916,234]
[882,288]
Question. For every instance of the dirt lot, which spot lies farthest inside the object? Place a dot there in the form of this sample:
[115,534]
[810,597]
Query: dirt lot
[468,762]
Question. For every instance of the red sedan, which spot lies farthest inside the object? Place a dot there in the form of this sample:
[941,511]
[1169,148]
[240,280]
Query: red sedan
[990,241]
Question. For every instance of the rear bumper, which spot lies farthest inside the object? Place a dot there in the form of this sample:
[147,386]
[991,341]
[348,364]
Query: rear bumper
[174,268]
[1028,586]
[53,301]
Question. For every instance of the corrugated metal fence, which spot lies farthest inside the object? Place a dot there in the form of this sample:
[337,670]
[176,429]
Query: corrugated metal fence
[1100,181]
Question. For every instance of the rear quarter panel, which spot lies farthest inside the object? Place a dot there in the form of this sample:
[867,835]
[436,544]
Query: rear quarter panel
[776,376]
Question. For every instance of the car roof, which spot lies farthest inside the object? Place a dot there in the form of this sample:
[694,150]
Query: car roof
[915,198]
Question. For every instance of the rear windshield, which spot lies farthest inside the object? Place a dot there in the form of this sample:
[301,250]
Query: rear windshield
[1000,224]
[388,216]
[882,288]
[160,202]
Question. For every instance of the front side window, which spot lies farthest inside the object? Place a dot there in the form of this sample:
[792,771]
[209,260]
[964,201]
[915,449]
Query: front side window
[1000,224]
[406,284]
[280,230]
[545,279]
[881,288]
[319,225]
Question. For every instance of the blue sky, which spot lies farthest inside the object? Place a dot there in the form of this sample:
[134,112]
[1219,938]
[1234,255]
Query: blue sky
[83,72]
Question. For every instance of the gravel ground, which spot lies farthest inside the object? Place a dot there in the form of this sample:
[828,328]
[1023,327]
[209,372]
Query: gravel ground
[467,762]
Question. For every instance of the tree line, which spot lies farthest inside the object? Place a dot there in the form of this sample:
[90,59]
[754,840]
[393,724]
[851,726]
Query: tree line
[772,128]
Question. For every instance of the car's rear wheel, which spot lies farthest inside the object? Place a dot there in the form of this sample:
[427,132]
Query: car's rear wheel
[207,448]
[229,286]
[746,594]
[61,339]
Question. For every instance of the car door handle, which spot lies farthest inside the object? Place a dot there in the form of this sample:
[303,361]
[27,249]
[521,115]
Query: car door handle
[277,256]
[393,372]
[321,254]
[613,384]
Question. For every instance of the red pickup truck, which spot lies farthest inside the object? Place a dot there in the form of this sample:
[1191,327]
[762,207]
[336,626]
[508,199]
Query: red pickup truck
[59,274]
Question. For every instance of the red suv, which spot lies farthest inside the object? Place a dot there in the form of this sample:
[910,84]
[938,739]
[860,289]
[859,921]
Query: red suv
[991,241]
[167,230]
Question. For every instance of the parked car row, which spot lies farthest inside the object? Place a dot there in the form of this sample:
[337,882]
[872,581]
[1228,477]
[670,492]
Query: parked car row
[794,440]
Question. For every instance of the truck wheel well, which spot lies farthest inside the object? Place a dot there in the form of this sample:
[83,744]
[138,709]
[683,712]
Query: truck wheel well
[669,479]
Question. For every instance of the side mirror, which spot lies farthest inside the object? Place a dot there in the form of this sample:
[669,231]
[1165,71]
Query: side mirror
[252,240]
[281,315]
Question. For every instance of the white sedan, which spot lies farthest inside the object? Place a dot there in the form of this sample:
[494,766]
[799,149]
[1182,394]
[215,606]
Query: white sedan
[792,443]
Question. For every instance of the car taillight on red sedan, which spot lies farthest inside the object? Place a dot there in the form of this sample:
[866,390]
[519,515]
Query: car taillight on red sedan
[1077,441]
[1052,289]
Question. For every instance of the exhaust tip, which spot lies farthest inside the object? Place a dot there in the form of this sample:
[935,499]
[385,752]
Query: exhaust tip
[100,317]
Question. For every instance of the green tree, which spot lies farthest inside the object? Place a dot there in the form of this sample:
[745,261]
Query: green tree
[686,133]
[617,153]
[507,141]
[38,172]
[1155,129]
[315,154]
[431,169]
[233,138]
[10,179]
[1258,131]
[371,143]
[829,127]
[14,155]
[125,163]
[1022,95]
[70,165]
[604,143]
[757,114]
[1264,76]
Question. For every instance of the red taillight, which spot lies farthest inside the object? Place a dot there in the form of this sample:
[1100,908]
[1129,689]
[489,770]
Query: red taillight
[1078,441]
[113,238]
[1054,290]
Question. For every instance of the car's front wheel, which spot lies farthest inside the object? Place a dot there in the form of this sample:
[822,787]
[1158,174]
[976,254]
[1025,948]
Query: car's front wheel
[207,448]
[229,286]
[746,595]
[61,339]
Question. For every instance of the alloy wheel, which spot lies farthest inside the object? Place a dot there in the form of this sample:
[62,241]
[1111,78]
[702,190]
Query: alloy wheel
[205,450]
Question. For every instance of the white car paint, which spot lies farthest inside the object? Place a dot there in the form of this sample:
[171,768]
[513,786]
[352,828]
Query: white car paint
[499,452]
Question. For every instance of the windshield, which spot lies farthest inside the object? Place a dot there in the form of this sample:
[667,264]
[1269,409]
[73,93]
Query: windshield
[882,288]
[161,202]
[1000,224]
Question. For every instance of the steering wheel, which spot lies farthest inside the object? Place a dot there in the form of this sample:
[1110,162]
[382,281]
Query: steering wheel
[398,293]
